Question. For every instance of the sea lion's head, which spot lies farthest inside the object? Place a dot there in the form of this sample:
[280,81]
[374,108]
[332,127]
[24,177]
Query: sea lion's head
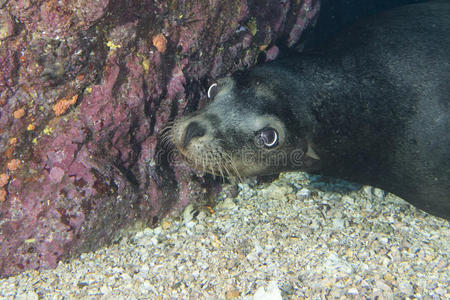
[247,130]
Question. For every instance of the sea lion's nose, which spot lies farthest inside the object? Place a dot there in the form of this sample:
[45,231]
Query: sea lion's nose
[193,130]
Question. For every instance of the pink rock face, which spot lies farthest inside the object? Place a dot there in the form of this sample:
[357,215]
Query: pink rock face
[77,173]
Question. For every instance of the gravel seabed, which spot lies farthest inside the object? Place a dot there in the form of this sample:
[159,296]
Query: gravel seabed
[297,237]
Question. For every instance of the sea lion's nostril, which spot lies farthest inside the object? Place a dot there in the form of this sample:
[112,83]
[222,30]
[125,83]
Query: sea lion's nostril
[193,130]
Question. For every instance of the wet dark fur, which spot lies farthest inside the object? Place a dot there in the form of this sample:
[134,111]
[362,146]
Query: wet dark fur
[374,105]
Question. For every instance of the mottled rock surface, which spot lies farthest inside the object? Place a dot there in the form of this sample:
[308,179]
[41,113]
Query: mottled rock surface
[85,88]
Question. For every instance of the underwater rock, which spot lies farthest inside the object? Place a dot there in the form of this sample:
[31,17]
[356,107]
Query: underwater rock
[84,92]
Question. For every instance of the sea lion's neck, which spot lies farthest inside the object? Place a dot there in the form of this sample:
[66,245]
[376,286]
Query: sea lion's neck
[334,100]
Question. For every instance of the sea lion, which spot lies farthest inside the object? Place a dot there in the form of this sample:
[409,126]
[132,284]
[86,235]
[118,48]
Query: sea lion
[372,108]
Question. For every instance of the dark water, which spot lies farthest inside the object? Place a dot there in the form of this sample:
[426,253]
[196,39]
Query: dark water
[336,14]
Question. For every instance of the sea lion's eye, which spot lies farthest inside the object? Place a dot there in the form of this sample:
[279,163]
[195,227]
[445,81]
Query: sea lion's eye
[213,90]
[268,137]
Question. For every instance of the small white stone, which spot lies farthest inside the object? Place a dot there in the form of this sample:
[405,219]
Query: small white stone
[154,241]
[252,256]
[338,223]
[228,203]
[105,290]
[379,193]
[148,231]
[188,213]
[272,292]
[93,291]
[347,199]
[189,225]
[406,287]
[303,193]
[144,269]
[383,286]
[334,263]
[368,190]
[139,235]
[28,296]
[157,230]
[147,285]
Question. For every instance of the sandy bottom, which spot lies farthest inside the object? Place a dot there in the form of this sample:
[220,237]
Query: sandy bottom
[297,237]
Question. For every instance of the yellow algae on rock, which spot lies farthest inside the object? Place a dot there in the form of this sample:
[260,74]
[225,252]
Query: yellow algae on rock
[112,46]
[252,26]
[47,130]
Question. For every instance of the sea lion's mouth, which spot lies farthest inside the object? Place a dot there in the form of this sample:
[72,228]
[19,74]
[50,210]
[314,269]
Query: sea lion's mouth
[202,157]
[211,160]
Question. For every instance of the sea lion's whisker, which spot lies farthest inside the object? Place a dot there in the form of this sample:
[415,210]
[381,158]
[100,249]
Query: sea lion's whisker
[233,166]
[226,162]
[219,165]
[203,164]
[167,144]
[226,169]
[165,130]
[212,171]
[220,170]
[195,162]
[211,163]
[166,139]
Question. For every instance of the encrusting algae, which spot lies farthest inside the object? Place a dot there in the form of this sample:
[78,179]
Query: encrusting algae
[160,42]
[3,179]
[13,164]
[63,104]
[19,113]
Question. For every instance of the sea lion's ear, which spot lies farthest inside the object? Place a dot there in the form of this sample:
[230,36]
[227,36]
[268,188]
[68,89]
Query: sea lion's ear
[311,153]
[213,90]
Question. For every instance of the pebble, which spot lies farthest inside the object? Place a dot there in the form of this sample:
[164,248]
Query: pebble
[368,190]
[379,193]
[287,239]
[406,287]
[303,193]
[272,292]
